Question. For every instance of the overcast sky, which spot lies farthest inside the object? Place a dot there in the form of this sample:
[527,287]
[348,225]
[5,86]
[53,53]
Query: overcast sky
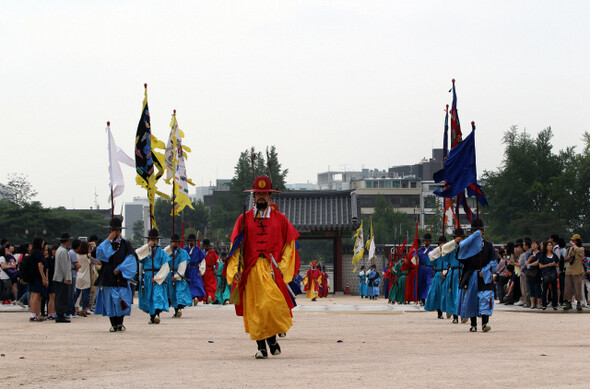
[333,84]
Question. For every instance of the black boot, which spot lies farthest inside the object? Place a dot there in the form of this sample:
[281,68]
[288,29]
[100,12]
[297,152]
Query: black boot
[485,327]
[273,345]
[440,315]
[113,321]
[120,326]
[455,319]
[261,353]
[473,324]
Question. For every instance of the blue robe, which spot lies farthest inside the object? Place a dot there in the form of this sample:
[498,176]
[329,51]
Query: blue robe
[450,301]
[192,272]
[108,298]
[295,284]
[436,292]
[425,272]
[153,296]
[372,290]
[223,292]
[178,291]
[363,283]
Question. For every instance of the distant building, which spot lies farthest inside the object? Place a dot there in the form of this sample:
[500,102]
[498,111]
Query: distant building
[138,210]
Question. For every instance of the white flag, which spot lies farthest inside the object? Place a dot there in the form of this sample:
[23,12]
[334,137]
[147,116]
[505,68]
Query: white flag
[117,155]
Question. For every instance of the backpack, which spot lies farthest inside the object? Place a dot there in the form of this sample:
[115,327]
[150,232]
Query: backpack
[26,270]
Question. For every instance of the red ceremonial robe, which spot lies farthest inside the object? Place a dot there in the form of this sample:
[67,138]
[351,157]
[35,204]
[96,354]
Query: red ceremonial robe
[412,269]
[210,277]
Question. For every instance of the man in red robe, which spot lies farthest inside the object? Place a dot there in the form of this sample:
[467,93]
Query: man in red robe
[210,278]
[268,243]
[312,281]
[411,265]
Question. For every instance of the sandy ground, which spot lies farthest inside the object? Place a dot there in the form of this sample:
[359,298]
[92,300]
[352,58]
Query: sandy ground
[338,341]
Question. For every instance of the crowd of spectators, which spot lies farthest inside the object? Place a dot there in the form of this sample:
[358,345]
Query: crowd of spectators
[534,274]
[37,289]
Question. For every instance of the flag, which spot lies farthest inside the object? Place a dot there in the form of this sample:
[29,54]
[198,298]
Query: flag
[462,200]
[146,159]
[176,167]
[116,155]
[459,169]
[475,190]
[371,242]
[448,202]
[456,135]
[359,247]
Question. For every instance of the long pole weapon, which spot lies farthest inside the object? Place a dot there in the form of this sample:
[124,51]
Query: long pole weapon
[174,151]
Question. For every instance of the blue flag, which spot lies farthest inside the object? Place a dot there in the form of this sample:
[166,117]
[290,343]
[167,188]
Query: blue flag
[459,170]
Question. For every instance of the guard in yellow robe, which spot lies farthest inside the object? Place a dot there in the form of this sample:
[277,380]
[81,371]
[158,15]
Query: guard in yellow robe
[269,262]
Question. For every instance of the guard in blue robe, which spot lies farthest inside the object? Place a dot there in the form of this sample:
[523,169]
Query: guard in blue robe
[195,269]
[477,287]
[425,271]
[362,274]
[153,292]
[119,265]
[450,301]
[436,292]
[373,279]
[179,292]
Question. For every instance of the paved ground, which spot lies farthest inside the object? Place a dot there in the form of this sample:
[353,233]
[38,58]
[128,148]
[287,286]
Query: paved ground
[337,341]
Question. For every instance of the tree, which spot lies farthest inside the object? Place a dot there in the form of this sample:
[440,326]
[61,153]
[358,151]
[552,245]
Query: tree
[389,225]
[197,218]
[537,192]
[18,190]
[138,233]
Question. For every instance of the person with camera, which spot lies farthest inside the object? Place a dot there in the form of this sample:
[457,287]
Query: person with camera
[574,273]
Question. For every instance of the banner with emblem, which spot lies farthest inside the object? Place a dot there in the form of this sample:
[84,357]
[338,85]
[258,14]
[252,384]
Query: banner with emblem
[359,247]
[176,167]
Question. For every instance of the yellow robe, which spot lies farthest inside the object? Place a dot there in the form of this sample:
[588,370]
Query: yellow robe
[266,312]
[311,292]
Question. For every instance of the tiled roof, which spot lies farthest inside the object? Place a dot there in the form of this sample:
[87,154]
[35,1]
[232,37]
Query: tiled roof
[320,210]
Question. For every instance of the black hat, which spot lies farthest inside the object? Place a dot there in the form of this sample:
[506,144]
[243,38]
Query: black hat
[442,239]
[116,223]
[427,236]
[64,237]
[154,234]
[206,242]
[191,237]
[477,224]
[175,238]
[458,232]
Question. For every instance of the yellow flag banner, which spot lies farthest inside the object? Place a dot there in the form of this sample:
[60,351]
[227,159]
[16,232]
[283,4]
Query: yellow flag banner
[359,247]
[176,167]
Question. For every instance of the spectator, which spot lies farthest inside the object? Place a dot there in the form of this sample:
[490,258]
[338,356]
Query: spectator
[49,271]
[574,273]
[501,276]
[39,281]
[511,285]
[522,258]
[5,283]
[12,272]
[73,253]
[586,279]
[63,279]
[533,274]
[84,277]
[548,263]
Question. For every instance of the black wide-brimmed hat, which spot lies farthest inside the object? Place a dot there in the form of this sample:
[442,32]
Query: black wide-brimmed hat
[206,242]
[477,224]
[191,237]
[175,238]
[64,237]
[442,239]
[116,224]
[154,234]
[427,236]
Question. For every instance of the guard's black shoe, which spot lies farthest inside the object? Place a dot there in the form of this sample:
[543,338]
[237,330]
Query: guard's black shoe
[261,354]
[473,329]
[486,328]
[275,349]
[455,321]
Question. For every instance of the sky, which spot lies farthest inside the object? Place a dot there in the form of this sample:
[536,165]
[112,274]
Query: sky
[339,85]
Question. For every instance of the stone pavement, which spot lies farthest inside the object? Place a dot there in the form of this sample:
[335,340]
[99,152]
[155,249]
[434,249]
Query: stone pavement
[339,341]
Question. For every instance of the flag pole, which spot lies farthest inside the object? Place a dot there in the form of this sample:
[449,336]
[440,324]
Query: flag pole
[111,178]
[173,189]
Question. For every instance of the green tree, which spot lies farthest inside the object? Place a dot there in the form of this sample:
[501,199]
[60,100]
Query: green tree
[197,218]
[18,190]
[138,234]
[389,225]
[537,192]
